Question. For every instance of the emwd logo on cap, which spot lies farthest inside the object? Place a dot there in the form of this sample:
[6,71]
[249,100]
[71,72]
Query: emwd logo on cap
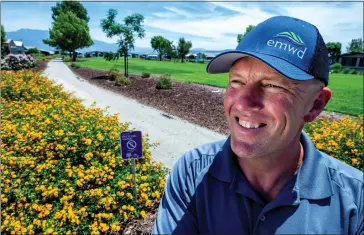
[292,38]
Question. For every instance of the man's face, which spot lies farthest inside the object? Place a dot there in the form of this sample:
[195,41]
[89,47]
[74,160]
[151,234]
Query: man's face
[265,110]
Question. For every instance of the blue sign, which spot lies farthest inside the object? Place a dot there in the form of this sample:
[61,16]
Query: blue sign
[131,145]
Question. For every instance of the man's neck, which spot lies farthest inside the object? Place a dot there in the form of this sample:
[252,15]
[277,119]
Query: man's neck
[269,174]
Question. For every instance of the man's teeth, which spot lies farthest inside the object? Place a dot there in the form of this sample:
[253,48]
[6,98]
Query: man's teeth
[249,124]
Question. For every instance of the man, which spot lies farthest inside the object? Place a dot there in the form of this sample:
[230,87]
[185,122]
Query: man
[267,177]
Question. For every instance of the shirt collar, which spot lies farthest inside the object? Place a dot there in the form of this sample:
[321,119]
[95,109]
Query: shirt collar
[313,170]
[313,177]
[224,165]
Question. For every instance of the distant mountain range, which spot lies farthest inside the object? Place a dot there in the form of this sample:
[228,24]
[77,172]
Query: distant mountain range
[34,37]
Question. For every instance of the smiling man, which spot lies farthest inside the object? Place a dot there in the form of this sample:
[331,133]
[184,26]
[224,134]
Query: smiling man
[267,177]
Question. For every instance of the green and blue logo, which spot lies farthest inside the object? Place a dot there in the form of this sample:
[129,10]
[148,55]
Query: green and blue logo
[292,37]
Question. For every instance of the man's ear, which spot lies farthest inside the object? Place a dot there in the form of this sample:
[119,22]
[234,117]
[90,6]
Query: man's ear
[318,104]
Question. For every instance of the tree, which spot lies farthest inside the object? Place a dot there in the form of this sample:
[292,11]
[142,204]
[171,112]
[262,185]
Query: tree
[3,40]
[3,35]
[171,51]
[127,32]
[161,45]
[334,48]
[204,56]
[69,33]
[73,6]
[183,48]
[247,30]
[356,45]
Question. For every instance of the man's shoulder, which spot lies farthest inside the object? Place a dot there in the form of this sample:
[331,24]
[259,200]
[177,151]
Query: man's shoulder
[199,158]
[345,178]
[340,169]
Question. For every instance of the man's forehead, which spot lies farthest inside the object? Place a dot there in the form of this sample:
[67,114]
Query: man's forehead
[248,66]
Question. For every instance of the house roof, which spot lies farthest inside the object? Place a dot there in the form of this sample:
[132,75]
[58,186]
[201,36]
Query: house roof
[354,53]
[18,43]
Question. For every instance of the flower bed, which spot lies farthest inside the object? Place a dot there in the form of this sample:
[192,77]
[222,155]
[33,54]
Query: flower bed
[61,166]
[341,138]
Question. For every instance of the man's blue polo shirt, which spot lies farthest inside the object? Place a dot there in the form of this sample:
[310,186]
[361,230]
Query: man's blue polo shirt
[207,193]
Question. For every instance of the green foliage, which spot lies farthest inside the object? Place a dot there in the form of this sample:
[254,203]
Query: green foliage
[127,32]
[353,71]
[345,71]
[74,65]
[69,33]
[108,56]
[161,45]
[164,82]
[145,75]
[33,51]
[67,59]
[65,6]
[183,48]
[113,74]
[334,48]
[121,80]
[336,66]
[3,34]
[247,30]
[3,40]
[356,45]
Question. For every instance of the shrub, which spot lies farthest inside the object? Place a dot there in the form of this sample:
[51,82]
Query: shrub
[113,73]
[336,66]
[353,71]
[145,75]
[61,169]
[121,80]
[164,82]
[335,71]
[341,138]
[67,59]
[345,71]
[17,62]
[33,51]
[74,65]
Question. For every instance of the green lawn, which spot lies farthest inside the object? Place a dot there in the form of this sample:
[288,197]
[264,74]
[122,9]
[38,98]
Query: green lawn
[347,89]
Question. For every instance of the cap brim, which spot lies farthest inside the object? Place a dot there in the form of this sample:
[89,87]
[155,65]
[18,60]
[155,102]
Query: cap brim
[223,62]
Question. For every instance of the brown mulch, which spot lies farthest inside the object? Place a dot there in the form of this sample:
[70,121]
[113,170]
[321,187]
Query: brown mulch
[198,104]
[140,226]
[42,66]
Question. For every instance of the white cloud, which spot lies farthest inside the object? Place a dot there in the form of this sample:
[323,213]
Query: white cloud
[179,12]
[323,15]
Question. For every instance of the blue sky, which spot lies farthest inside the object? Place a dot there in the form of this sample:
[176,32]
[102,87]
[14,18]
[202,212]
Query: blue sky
[209,25]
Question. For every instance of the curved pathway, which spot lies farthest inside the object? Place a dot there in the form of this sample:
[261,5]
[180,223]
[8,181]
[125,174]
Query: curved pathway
[175,135]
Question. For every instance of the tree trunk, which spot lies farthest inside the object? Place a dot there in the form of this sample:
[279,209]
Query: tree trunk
[182,59]
[74,55]
[160,57]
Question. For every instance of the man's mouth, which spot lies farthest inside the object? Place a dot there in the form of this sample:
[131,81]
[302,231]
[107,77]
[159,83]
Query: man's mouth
[250,125]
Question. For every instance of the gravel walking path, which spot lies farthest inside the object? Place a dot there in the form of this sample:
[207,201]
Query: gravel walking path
[175,135]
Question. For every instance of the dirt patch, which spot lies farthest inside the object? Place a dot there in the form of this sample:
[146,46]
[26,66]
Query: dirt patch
[138,227]
[42,66]
[198,104]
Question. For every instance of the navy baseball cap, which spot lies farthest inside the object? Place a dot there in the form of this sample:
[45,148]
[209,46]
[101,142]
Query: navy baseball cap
[291,46]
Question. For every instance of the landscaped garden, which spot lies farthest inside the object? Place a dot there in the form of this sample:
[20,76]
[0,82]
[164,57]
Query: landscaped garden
[62,172]
[347,88]
[61,166]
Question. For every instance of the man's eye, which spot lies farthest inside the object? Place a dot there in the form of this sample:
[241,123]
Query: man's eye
[236,83]
[272,86]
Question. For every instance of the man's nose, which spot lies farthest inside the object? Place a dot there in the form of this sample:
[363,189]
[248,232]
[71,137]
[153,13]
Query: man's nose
[250,98]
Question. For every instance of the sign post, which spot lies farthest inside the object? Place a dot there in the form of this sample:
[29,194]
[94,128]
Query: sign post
[131,149]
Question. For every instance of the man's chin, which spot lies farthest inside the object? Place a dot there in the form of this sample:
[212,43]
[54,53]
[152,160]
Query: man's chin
[244,149]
